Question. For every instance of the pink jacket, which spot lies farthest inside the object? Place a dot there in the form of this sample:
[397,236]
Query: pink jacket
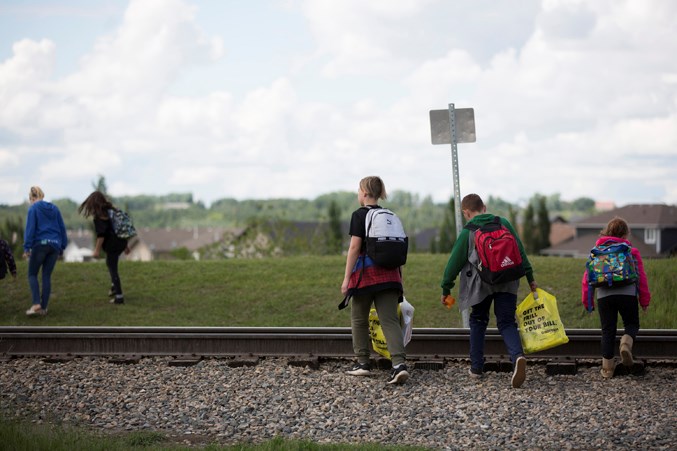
[642,287]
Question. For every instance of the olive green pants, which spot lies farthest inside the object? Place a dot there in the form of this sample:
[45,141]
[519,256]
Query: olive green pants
[386,308]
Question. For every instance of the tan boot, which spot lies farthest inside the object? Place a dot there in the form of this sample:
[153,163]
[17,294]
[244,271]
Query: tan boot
[608,367]
[626,350]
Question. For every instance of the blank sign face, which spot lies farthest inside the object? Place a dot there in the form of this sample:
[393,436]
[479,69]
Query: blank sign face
[465,126]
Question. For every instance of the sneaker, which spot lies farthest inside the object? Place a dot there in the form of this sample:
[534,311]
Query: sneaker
[474,372]
[360,369]
[35,310]
[118,299]
[520,372]
[398,375]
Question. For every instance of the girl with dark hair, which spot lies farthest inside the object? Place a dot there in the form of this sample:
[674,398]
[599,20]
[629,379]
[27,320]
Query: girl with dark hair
[99,207]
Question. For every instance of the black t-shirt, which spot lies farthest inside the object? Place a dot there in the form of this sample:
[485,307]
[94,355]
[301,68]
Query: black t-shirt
[357,224]
[111,242]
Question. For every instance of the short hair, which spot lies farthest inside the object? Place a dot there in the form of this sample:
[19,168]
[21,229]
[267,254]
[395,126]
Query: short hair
[472,202]
[617,227]
[374,187]
[36,193]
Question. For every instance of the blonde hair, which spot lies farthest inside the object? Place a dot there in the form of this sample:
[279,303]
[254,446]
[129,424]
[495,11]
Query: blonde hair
[374,187]
[472,202]
[36,193]
[617,227]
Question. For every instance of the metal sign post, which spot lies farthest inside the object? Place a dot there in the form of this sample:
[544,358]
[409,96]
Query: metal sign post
[454,169]
[454,126]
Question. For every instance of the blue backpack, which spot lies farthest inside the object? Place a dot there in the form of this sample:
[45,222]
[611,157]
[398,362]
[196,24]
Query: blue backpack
[610,264]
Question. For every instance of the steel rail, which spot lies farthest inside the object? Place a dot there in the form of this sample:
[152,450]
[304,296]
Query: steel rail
[650,344]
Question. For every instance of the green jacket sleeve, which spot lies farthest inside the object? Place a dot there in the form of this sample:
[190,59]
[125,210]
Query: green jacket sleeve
[457,260]
[526,264]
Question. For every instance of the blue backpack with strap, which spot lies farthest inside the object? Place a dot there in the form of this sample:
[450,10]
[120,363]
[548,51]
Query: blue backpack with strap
[610,264]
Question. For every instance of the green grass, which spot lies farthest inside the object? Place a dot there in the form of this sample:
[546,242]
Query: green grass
[20,435]
[290,291]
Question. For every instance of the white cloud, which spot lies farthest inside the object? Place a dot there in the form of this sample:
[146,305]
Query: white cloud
[554,85]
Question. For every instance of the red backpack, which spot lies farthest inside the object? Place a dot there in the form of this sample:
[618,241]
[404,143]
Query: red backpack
[499,258]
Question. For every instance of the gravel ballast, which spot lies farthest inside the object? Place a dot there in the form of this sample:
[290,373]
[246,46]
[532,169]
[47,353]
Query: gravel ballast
[440,409]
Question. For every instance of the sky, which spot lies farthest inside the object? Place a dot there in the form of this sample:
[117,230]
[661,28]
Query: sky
[265,99]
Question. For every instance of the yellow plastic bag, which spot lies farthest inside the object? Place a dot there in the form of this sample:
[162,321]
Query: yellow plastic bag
[539,323]
[378,340]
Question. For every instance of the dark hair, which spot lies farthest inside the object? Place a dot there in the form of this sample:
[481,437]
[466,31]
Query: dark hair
[617,227]
[472,202]
[96,205]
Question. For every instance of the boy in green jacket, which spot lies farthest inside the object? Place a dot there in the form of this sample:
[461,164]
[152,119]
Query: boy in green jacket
[478,294]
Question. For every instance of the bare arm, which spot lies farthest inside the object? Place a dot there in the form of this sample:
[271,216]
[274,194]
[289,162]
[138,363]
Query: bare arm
[97,247]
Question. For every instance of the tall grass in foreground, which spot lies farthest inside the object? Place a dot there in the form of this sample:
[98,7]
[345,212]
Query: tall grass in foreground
[25,436]
[289,291]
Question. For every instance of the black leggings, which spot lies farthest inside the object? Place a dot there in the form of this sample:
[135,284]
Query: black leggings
[609,307]
[112,259]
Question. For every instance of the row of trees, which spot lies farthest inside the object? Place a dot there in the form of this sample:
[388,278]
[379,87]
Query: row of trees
[332,209]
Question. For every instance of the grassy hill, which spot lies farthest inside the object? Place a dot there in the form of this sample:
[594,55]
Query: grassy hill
[290,291]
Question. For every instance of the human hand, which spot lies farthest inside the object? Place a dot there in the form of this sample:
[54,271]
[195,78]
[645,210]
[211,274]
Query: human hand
[448,300]
[27,254]
[533,285]
[95,254]
[127,250]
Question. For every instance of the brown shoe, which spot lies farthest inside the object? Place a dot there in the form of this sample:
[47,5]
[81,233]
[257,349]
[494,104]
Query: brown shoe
[608,367]
[626,350]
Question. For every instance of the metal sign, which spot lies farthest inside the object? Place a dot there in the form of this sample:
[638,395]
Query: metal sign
[440,126]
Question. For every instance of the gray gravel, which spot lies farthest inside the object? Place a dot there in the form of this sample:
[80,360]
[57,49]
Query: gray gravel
[441,409]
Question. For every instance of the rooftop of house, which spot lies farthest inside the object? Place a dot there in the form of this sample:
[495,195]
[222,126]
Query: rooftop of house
[638,215]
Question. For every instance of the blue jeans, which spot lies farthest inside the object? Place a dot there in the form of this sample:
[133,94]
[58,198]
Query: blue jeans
[504,308]
[45,256]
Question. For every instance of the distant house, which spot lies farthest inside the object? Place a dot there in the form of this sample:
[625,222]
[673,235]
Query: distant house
[653,230]
[153,244]
[80,245]
[422,240]
[560,230]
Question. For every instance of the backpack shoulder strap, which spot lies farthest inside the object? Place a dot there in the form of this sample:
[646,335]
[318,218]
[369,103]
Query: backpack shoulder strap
[472,227]
[370,218]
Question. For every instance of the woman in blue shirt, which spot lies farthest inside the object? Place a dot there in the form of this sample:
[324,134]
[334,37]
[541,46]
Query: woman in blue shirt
[44,241]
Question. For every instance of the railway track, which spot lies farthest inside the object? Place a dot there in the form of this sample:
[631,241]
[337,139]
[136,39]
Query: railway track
[18,341]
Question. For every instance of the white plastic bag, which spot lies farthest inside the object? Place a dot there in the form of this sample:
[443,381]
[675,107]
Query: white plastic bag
[406,319]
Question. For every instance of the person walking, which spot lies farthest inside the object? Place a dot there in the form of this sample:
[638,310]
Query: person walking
[98,207]
[614,300]
[476,293]
[44,241]
[367,284]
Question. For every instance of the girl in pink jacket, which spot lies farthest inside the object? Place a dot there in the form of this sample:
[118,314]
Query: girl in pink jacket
[613,300]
